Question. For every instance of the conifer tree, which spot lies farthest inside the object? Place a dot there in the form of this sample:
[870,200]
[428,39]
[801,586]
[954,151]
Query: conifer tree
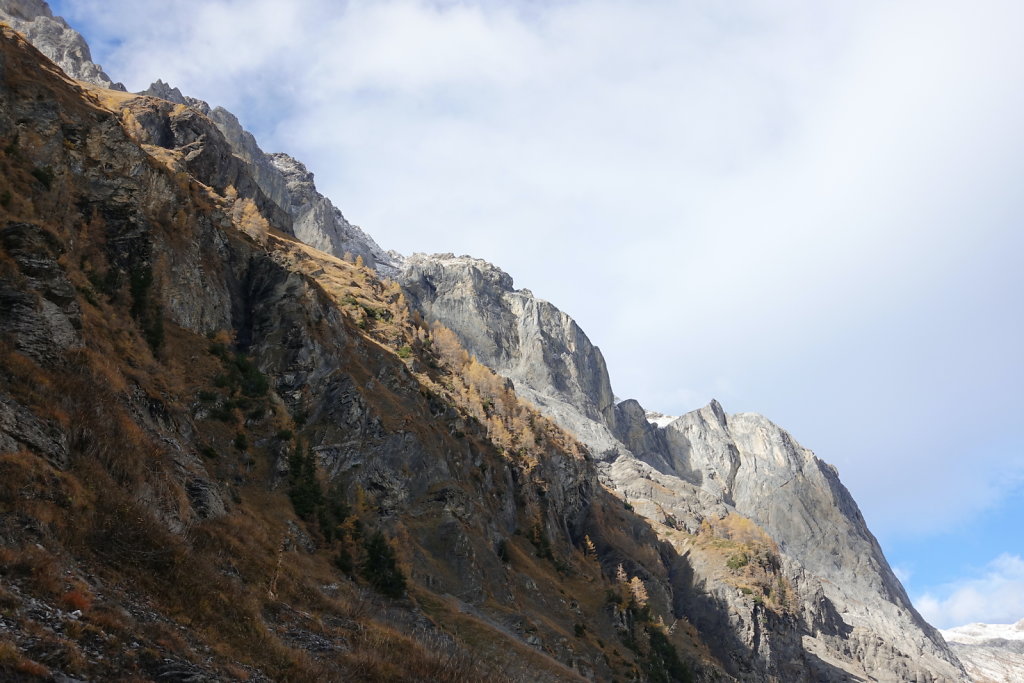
[303,486]
[380,568]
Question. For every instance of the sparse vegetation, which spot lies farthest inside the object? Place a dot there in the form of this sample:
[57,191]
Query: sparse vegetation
[662,662]
[751,557]
[738,561]
[540,540]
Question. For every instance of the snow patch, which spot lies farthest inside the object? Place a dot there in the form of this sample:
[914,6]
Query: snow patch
[660,419]
[972,634]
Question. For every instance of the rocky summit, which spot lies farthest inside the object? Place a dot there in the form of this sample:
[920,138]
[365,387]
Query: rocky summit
[241,441]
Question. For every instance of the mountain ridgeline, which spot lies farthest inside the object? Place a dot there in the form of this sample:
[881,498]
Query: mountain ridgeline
[241,441]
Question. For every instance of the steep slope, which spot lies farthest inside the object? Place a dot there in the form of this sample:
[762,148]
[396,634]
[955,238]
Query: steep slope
[991,653]
[284,181]
[320,224]
[227,455]
[760,470]
[701,466]
[546,355]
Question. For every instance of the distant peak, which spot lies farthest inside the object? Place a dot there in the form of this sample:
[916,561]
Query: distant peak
[716,409]
[164,91]
[979,632]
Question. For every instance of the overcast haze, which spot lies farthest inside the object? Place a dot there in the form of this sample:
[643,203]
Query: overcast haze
[808,210]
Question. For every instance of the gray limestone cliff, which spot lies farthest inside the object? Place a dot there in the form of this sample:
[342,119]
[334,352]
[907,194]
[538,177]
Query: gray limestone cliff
[320,224]
[827,550]
[524,338]
[852,611]
[54,38]
[289,184]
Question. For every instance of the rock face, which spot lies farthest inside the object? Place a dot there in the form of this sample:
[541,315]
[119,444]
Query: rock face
[853,612]
[201,149]
[289,185]
[759,470]
[54,38]
[991,653]
[281,185]
[318,223]
[546,355]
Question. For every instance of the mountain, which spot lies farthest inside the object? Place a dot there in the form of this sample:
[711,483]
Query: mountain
[991,653]
[227,455]
[241,436]
[691,470]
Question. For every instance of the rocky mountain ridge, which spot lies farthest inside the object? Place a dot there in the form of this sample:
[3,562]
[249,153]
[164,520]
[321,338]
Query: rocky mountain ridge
[281,178]
[822,603]
[287,182]
[699,466]
[991,653]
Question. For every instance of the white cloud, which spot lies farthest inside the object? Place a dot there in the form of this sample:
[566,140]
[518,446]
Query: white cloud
[994,597]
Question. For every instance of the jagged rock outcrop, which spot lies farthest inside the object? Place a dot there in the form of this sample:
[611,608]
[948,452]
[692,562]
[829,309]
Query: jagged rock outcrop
[320,224]
[202,150]
[702,465]
[991,653]
[54,38]
[762,472]
[241,141]
[243,144]
[286,182]
[540,348]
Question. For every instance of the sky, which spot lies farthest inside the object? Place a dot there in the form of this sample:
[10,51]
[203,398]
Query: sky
[803,209]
